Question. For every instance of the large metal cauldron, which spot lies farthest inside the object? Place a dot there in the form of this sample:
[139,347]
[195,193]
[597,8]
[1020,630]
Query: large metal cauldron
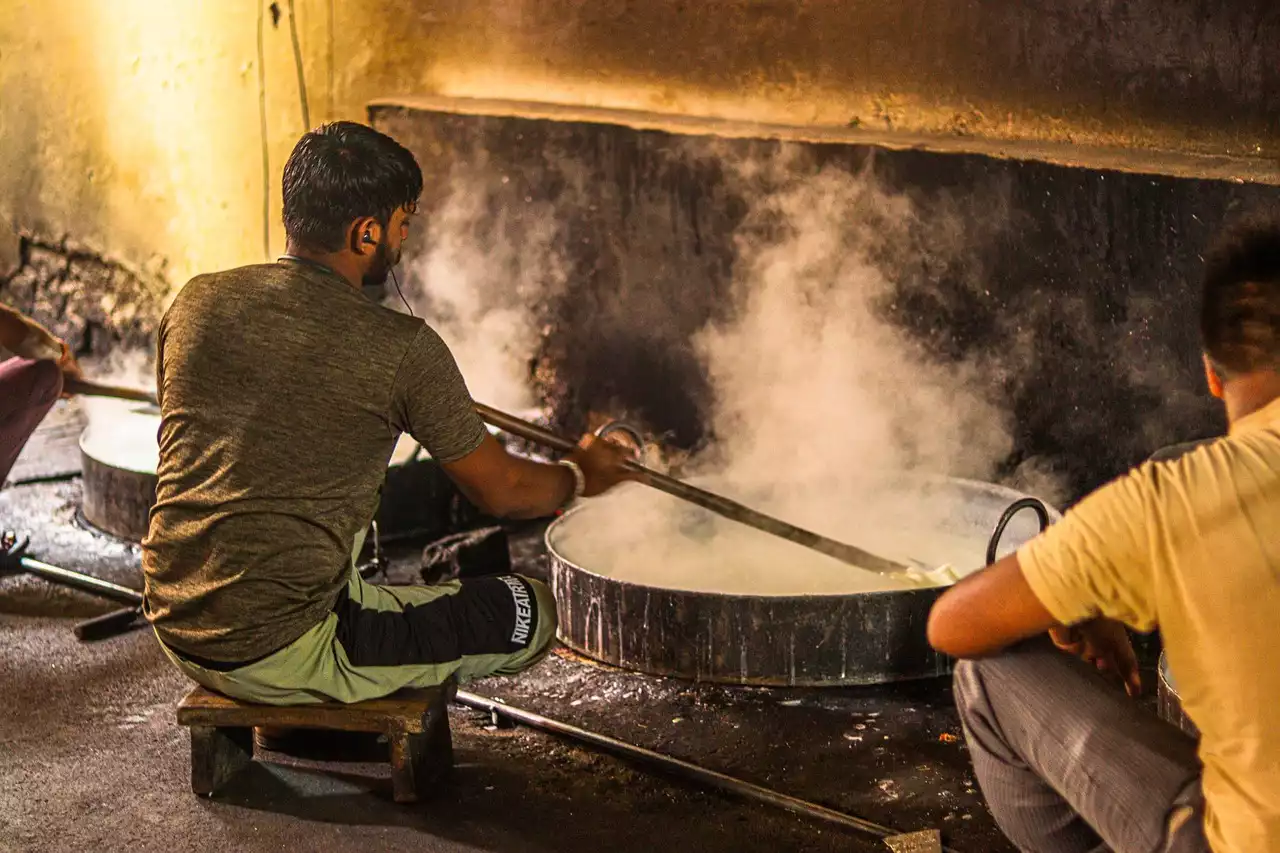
[119,457]
[827,639]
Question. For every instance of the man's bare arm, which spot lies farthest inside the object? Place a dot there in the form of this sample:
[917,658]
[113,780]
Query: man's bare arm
[507,486]
[26,338]
[987,611]
[994,608]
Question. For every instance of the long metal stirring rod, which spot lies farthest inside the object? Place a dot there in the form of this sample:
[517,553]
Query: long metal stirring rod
[707,500]
[97,389]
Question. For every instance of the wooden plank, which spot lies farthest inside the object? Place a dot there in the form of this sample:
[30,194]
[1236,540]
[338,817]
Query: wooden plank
[407,708]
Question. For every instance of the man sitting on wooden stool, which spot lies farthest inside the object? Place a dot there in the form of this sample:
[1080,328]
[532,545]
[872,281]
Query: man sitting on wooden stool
[282,391]
[30,381]
[1190,544]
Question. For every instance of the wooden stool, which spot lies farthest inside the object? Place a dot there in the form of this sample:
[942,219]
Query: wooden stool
[415,722]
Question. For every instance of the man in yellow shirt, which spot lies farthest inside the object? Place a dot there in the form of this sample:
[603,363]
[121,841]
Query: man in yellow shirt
[1190,545]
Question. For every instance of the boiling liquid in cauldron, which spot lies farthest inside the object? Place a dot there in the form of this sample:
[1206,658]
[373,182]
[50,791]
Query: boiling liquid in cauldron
[639,535]
[121,434]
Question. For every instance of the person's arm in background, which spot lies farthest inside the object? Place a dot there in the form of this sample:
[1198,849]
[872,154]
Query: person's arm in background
[432,404]
[1080,580]
[26,338]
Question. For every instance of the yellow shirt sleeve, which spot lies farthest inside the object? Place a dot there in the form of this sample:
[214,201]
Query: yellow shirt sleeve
[1097,559]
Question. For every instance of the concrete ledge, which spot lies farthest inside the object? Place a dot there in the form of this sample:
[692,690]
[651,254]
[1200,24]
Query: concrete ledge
[1134,160]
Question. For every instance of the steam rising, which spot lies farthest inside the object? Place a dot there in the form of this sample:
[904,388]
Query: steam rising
[478,283]
[821,405]
[819,402]
[812,384]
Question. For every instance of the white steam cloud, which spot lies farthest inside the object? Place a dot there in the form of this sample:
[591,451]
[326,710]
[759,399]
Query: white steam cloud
[819,401]
[811,383]
[477,284]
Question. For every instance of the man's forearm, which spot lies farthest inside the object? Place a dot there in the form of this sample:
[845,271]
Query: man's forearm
[511,487]
[508,486]
[537,489]
[986,612]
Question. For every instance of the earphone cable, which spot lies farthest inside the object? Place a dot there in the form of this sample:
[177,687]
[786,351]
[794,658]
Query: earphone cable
[401,294]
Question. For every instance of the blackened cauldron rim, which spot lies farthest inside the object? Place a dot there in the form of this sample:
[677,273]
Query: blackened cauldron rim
[932,591]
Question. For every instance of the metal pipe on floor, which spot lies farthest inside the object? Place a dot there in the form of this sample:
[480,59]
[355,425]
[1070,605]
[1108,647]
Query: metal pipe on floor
[675,766]
[81,581]
[98,627]
[12,557]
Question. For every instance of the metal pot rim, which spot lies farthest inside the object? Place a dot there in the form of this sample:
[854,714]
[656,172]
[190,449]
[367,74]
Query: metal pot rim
[1011,493]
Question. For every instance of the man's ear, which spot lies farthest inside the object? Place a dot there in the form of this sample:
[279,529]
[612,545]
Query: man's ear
[1211,376]
[365,235]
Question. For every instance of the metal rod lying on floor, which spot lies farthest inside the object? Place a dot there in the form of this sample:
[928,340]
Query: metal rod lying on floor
[675,766]
[97,627]
[532,432]
[81,581]
[12,557]
[707,500]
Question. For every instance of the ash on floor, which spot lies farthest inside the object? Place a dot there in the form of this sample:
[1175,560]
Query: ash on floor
[95,760]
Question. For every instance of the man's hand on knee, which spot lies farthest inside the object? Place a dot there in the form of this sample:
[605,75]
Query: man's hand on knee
[1105,644]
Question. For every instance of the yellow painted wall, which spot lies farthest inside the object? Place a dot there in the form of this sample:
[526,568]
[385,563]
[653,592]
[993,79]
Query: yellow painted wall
[132,126]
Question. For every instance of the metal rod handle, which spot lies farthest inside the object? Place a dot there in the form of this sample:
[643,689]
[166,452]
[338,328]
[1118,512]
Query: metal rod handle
[107,625]
[707,500]
[81,581]
[98,389]
[1042,512]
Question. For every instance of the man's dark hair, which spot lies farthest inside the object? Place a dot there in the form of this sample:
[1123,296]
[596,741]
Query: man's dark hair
[1240,311]
[340,172]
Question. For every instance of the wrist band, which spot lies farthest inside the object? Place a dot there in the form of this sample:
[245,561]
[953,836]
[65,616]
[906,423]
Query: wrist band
[579,479]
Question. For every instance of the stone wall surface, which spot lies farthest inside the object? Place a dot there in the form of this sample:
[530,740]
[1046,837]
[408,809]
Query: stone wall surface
[159,129]
[1076,289]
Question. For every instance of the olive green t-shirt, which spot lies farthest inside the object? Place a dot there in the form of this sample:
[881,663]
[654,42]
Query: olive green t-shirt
[282,392]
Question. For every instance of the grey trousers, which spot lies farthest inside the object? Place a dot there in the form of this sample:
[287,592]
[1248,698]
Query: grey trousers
[1068,762]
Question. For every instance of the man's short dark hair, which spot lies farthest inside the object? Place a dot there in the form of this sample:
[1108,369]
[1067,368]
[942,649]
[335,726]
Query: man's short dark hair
[1240,311]
[341,172]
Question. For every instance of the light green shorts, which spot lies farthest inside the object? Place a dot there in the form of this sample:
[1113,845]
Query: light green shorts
[379,639]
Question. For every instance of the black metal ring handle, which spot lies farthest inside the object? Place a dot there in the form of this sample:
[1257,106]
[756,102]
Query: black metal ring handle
[1014,508]
[629,431]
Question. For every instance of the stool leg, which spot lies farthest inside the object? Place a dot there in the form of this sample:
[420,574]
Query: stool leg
[217,754]
[421,760]
[405,755]
[439,743]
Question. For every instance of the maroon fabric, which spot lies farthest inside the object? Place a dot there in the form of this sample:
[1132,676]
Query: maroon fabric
[28,390]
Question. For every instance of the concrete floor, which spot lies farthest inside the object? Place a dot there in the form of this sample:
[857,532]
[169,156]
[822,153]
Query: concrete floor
[94,761]
[92,758]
